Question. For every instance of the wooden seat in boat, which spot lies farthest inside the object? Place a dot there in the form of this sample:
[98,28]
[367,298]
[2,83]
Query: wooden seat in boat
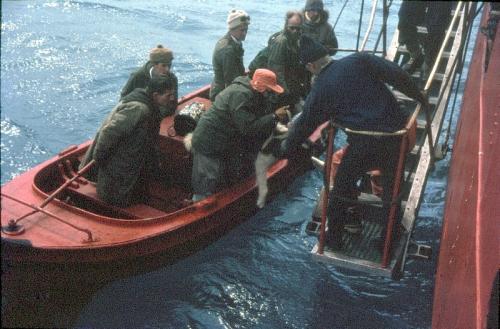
[88,193]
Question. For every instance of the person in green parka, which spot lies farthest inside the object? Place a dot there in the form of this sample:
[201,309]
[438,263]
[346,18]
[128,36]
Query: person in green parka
[239,122]
[159,64]
[316,25]
[125,147]
[227,59]
[281,57]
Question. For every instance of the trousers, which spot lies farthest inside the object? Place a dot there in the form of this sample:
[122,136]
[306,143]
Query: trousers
[364,153]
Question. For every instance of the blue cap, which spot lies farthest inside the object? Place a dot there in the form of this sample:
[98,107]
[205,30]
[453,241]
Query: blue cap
[310,50]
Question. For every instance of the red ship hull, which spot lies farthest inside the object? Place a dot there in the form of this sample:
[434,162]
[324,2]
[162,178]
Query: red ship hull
[469,256]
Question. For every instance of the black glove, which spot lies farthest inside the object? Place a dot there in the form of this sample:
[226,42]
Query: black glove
[273,145]
[423,99]
[299,154]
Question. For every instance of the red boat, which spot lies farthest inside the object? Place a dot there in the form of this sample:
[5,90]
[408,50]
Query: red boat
[51,214]
[466,290]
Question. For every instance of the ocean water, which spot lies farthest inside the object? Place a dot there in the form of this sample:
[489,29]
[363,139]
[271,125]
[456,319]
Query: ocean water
[63,64]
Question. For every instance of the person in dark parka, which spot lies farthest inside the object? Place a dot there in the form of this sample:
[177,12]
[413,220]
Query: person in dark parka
[125,147]
[159,64]
[317,27]
[352,92]
[239,120]
[227,59]
[435,16]
[281,56]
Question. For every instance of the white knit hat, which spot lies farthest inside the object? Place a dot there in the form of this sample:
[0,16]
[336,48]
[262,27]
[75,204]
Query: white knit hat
[236,18]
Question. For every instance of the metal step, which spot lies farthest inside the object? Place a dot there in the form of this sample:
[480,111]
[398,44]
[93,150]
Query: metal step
[402,49]
[402,97]
[419,251]
[421,124]
[423,30]
[362,252]
[437,76]
[369,204]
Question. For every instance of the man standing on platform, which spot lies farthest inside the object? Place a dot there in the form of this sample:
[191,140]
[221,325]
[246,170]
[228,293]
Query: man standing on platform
[352,92]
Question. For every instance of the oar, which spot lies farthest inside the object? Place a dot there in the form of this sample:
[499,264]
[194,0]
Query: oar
[13,222]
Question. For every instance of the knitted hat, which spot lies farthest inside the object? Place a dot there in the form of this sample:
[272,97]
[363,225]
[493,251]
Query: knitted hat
[161,55]
[316,5]
[236,18]
[264,79]
[310,50]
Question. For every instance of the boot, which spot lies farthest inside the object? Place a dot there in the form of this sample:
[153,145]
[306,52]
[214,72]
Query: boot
[416,58]
[353,221]
[333,239]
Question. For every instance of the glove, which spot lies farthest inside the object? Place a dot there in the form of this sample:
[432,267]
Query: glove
[283,151]
[273,145]
[424,100]
[282,114]
[302,153]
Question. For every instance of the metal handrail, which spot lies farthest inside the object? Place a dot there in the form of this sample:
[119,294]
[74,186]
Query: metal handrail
[443,46]
[90,238]
[51,197]
[326,183]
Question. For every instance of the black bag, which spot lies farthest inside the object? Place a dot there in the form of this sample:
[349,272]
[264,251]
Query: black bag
[185,121]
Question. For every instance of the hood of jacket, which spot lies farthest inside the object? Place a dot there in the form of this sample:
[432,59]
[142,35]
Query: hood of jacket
[139,95]
[322,18]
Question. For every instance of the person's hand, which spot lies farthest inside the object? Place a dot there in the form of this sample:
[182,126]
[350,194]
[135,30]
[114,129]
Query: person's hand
[282,114]
[273,145]
[424,100]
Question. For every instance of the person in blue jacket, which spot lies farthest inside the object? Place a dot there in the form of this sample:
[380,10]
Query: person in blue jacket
[352,92]
[435,16]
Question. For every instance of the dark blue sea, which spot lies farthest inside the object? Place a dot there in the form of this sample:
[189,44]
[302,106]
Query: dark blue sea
[63,64]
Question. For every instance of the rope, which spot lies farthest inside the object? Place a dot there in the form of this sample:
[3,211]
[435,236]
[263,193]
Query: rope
[372,133]
[370,24]
[341,10]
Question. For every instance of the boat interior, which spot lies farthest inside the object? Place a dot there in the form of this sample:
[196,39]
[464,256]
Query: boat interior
[170,193]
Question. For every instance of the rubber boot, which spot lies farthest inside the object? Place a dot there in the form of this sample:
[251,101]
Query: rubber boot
[416,58]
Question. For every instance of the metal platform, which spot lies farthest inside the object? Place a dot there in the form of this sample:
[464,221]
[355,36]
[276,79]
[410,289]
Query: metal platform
[363,251]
